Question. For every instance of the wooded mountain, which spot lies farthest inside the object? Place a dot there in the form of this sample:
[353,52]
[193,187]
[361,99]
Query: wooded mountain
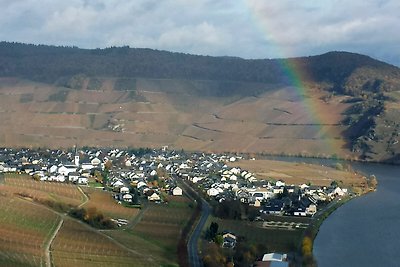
[121,96]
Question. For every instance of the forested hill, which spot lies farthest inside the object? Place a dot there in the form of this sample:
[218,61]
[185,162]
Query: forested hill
[48,63]
[344,72]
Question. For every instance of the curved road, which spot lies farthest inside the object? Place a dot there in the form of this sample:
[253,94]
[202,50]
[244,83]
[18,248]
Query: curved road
[194,259]
[192,248]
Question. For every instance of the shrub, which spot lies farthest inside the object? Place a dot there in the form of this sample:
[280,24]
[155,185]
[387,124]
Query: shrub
[92,217]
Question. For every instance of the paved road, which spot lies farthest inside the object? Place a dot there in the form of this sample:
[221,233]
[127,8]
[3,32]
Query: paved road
[194,258]
[193,253]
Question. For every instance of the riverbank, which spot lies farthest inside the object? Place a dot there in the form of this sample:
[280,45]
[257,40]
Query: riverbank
[364,232]
[307,244]
[334,157]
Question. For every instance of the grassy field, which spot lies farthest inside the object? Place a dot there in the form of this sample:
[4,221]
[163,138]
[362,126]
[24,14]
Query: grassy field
[298,173]
[252,232]
[162,223]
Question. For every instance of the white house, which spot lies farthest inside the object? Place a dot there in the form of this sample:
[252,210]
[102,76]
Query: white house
[212,192]
[66,169]
[280,183]
[154,197]
[336,192]
[261,193]
[95,162]
[177,191]
[339,191]
[118,184]
[252,179]
[128,163]
[311,210]
[53,169]
[127,198]
[278,190]
[73,176]
[229,240]
[83,180]
[274,257]
[233,177]
[87,166]
[141,184]
[236,171]
[124,190]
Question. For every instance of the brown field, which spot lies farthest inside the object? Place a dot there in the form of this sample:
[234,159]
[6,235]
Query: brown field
[167,114]
[78,245]
[104,203]
[59,192]
[25,227]
[298,173]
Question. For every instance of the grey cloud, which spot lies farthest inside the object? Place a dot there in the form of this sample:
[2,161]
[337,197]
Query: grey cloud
[245,28]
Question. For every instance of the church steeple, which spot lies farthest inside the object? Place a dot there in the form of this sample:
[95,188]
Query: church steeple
[76,158]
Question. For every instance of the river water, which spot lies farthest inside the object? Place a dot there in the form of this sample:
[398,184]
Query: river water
[365,231]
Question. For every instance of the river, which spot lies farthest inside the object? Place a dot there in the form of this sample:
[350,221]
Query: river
[366,230]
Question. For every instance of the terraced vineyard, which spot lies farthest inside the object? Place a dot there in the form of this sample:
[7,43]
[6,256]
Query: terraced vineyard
[79,245]
[25,229]
[60,192]
[33,234]
[164,112]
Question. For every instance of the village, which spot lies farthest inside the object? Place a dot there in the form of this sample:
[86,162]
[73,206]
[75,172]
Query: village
[141,177]
[151,174]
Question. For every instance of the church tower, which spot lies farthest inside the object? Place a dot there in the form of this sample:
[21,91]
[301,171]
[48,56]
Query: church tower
[76,158]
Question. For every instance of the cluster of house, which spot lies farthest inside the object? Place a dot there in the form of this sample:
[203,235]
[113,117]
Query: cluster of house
[221,182]
[149,174]
[50,165]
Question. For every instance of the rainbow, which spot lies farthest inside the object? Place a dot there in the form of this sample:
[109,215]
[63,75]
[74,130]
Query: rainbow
[294,73]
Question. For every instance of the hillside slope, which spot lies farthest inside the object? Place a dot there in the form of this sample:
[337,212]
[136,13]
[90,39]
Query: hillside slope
[62,96]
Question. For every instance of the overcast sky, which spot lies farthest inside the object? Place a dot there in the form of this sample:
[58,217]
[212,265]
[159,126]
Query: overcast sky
[243,28]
